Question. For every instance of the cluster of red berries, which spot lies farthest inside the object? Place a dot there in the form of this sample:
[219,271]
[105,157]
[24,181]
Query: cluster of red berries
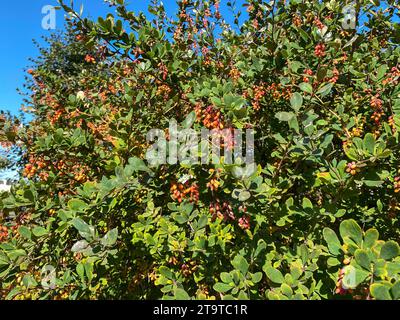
[56,116]
[34,165]
[3,233]
[307,74]
[207,60]
[375,102]
[210,117]
[214,183]
[393,77]
[376,116]
[352,168]
[79,172]
[244,221]
[319,50]
[181,191]
[279,92]
[259,93]
[223,211]
[318,23]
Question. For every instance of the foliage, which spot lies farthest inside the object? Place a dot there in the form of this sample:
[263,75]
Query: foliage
[92,220]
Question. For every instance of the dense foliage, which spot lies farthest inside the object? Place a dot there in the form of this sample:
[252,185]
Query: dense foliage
[91,220]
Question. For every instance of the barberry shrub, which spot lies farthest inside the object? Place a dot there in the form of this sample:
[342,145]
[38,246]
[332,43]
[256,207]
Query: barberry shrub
[91,219]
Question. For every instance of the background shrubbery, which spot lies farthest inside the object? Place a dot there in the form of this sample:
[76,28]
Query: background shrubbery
[317,220]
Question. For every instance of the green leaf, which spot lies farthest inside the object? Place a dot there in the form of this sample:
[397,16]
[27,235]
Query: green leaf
[138,164]
[362,258]
[25,232]
[296,101]
[274,274]
[332,241]
[110,238]
[226,277]
[83,228]
[381,72]
[369,143]
[349,229]
[390,250]
[80,246]
[164,271]
[39,231]
[306,87]
[29,281]
[190,119]
[396,290]
[222,287]
[284,116]
[370,238]
[325,90]
[181,294]
[353,277]
[256,277]
[240,263]
[380,291]
[77,205]
[244,195]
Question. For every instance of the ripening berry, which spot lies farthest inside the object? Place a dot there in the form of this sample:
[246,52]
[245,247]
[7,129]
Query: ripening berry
[352,168]
[319,50]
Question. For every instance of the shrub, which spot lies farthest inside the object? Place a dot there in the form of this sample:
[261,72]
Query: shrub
[92,220]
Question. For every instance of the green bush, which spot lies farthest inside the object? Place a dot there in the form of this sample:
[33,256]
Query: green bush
[92,220]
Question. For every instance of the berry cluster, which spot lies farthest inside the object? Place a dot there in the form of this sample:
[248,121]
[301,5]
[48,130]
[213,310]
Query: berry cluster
[393,77]
[214,183]
[397,184]
[307,74]
[244,221]
[210,117]
[319,50]
[318,23]
[163,70]
[392,124]
[297,21]
[223,211]
[164,91]
[234,74]
[188,269]
[259,93]
[352,168]
[279,92]
[35,165]
[3,233]
[180,192]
